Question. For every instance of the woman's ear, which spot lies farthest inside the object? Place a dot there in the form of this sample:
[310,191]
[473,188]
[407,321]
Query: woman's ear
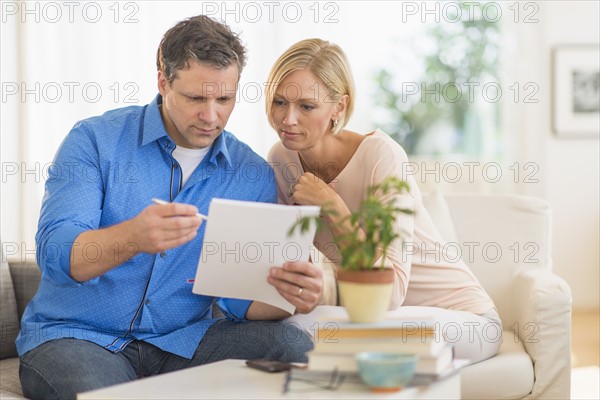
[341,106]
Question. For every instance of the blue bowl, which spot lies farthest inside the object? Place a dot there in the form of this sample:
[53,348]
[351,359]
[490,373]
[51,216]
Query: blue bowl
[386,371]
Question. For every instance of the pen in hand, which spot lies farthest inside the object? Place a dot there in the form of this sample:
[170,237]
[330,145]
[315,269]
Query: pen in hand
[162,202]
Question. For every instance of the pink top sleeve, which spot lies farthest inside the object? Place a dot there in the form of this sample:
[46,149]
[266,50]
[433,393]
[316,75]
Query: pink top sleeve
[425,274]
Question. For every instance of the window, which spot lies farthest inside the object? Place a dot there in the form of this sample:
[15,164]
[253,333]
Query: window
[439,93]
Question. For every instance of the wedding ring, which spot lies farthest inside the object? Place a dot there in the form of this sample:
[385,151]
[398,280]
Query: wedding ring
[291,188]
[299,291]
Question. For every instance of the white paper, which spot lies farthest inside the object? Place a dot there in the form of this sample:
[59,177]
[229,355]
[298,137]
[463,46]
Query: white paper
[243,240]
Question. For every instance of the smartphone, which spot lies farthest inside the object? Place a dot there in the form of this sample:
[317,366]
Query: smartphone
[269,365]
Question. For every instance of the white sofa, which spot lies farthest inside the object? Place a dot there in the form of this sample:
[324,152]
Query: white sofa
[534,304]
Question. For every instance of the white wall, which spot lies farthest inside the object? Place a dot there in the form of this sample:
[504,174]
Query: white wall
[9,138]
[568,169]
[572,165]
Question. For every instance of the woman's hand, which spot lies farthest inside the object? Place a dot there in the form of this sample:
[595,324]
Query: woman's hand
[311,190]
[300,283]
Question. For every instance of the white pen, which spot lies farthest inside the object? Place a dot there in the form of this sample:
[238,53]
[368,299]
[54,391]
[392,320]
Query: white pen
[164,203]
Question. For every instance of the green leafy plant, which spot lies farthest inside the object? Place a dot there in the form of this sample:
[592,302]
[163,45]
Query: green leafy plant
[372,226]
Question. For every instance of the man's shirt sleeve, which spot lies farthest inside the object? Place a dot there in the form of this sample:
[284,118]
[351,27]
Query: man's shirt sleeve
[72,203]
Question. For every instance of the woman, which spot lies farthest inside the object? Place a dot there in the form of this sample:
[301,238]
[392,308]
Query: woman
[309,100]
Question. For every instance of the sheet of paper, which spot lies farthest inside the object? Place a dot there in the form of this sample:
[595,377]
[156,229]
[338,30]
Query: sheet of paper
[243,240]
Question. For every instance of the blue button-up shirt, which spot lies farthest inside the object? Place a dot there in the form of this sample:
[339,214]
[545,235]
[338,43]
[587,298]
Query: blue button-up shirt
[106,171]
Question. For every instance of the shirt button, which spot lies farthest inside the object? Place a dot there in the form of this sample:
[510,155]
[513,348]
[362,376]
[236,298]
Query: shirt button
[147,301]
[175,166]
[163,254]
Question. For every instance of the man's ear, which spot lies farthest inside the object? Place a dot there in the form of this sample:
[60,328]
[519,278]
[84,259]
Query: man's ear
[162,83]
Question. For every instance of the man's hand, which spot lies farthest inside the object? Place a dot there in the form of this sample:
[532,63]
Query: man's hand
[162,227]
[155,229]
[300,283]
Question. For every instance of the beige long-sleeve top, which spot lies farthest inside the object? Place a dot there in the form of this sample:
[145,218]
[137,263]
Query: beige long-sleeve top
[425,276]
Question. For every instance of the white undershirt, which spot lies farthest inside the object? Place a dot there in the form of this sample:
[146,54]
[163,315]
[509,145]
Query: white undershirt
[188,160]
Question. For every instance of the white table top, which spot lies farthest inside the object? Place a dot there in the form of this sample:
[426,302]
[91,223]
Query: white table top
[233,380]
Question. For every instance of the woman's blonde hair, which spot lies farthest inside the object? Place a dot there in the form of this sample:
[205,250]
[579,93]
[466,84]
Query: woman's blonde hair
[327,61]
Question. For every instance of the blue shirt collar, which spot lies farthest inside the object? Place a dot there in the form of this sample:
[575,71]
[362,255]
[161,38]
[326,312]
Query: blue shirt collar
[154,129]
[219,146]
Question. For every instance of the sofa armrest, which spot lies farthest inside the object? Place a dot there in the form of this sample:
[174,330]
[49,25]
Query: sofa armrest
[541,303]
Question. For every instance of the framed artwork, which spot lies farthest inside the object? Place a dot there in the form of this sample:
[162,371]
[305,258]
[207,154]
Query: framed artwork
[576,91]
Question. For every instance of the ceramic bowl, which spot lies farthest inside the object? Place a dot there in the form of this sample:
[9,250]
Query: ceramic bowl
[386,371]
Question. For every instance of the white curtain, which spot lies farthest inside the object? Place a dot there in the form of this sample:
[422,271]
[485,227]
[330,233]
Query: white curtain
[65,61]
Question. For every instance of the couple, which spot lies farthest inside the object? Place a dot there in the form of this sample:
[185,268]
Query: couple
[115,301]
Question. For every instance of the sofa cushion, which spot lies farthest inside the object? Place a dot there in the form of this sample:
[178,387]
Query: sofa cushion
[25,279]
[439,212]
[508,375]
[508,233]
[9,318]
[9,379]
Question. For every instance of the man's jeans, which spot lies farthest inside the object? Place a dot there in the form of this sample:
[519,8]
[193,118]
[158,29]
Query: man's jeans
[59,369]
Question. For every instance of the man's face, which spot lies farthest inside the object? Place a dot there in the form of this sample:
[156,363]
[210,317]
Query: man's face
[198,103]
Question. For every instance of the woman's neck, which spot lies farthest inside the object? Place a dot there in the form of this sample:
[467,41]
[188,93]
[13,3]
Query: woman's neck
[330,156]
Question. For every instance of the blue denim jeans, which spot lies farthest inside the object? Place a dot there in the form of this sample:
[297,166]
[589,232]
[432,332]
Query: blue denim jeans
[59,369]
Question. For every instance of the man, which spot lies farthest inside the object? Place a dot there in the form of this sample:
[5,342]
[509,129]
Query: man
[115,301]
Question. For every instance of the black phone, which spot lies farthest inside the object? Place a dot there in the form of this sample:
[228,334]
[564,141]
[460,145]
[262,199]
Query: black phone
[268,365]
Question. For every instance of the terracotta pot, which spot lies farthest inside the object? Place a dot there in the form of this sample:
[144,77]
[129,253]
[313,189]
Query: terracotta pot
[366,294]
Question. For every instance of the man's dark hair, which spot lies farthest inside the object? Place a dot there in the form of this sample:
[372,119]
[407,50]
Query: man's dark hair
[202,39]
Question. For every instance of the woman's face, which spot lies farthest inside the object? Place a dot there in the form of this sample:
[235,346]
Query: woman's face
[302,110]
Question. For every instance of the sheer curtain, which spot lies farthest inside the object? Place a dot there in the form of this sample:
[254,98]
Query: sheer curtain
[65,61]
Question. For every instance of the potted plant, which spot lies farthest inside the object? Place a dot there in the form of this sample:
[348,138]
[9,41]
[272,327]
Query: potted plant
[364,283]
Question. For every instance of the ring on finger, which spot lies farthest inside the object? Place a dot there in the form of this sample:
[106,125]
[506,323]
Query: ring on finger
[300,289]
[291,188]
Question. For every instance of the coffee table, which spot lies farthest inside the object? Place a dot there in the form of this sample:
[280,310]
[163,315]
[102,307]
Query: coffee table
[232,379]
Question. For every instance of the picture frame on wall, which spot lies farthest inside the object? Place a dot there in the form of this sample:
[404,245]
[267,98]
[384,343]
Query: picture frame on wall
[576,91]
